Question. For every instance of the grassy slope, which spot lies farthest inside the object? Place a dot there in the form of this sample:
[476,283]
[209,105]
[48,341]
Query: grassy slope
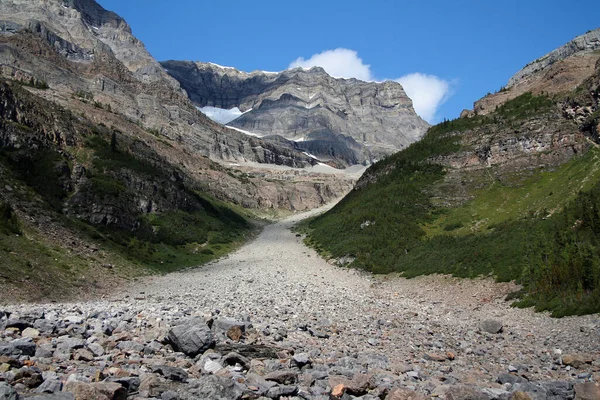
[36,253]
[497,233]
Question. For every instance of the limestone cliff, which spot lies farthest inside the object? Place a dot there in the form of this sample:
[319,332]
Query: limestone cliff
[343,119]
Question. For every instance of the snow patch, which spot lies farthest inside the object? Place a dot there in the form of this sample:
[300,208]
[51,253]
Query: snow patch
[221,115]
[221,66]
[245,132]
[310,155]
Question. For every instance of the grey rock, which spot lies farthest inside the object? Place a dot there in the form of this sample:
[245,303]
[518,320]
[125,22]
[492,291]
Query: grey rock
[18,347]
[45,350]
[318,333]
[212,366]
[279,391]
[169,395]
[359,120]
[414,374]
[191,337]
[223,325]
[172,373]
[301,359]
[131,383]
[49,386]
[53,396]
[74,319]
[533,390]
[282,376]
[214,387]
[130,346]
[7,392]
[495,393]
[96,349]
[235,358]
[67,344]
[45,326]
[558,389]
[491,326]
[20,324]
[260,384]
[510,378]
[250,351]
[463,392]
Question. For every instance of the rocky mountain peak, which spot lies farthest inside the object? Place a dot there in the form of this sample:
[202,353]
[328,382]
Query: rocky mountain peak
[83,30]
[561,70]
[586,43]
[95,15]
[347,120]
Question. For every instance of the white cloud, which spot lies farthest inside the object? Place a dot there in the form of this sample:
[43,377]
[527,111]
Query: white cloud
[428,92]
[339,63]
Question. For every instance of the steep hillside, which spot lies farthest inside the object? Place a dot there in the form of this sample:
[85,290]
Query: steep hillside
[84,205]
[89,62]
[341,119]
[512,194]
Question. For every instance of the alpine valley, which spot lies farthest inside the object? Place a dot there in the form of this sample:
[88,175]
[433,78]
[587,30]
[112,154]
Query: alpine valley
[99,142]
[183,230]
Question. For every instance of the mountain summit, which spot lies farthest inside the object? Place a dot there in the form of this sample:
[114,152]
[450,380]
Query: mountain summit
[347,120]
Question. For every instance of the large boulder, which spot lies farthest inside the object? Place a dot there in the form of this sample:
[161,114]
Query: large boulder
[191,337]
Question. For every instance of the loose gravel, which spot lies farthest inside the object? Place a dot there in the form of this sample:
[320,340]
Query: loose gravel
[330,329]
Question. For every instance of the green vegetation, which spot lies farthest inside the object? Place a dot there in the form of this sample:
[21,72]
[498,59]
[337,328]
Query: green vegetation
[523,106]
[43,170]
[379,225]
[562,263]
[191,227]
[540,230]
[34,83]
[9,222]
[539,195]
[205,229]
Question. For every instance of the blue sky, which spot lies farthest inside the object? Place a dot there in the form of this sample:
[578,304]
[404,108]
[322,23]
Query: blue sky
[450,53]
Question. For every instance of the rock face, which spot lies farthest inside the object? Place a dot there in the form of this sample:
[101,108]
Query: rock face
[586,43]
[558,71]
[80,49]
[343,119]
[94,66]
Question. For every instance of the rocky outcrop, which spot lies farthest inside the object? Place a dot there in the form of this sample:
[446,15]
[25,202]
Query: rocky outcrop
[586,43]
[343,119]
[79,28]
[559,71]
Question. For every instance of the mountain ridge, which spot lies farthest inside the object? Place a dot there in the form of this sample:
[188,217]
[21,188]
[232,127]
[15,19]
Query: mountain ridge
[308,106]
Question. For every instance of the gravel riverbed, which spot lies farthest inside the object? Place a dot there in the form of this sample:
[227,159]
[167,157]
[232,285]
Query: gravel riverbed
[274,320]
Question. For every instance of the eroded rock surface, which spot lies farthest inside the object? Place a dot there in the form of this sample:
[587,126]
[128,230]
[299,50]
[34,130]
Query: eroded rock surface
[342,119]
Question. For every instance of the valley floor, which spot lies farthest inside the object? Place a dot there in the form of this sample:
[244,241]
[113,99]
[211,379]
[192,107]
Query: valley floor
[426,334]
